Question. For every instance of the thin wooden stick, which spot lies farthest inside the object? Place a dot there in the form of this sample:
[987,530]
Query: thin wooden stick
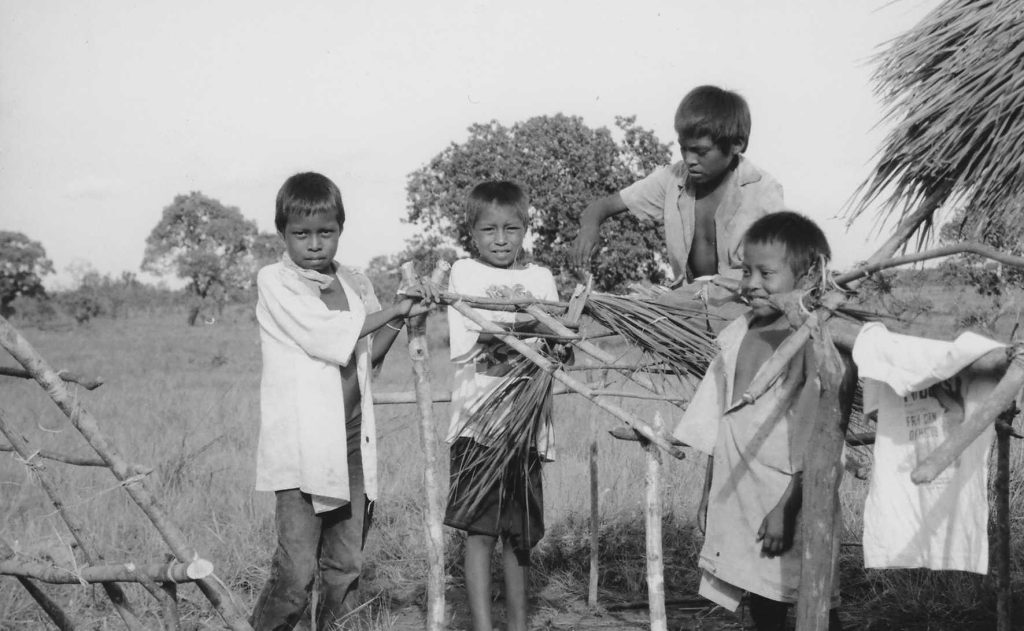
[1001,484]
[821,477]
[89,383]
[573,384]
[595,521]
[60,619]
[173,572]
[400,398]
[946,250]
[652,529]
[1001,398]
[420,355]
[222,599]
[81,461]
[73,522]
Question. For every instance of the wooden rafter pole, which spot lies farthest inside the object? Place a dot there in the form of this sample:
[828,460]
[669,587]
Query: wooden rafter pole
[72,520]
[420,355]
[579,387]
[173,572]
[54,611]
[223,601]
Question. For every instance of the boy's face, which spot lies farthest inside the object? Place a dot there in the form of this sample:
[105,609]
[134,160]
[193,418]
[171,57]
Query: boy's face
[766,271]
[704,159]
[498,235]
[312,241]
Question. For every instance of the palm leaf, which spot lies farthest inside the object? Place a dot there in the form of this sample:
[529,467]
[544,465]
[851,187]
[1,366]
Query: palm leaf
[954,88]
[509,421]
[676,336]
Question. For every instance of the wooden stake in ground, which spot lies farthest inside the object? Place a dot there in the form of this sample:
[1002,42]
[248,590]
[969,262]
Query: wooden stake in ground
[652,528]
[822,474]
[223,601]
[419,353]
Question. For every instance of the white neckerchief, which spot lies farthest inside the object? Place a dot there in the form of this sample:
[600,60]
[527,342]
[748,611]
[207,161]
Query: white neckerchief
[322,281]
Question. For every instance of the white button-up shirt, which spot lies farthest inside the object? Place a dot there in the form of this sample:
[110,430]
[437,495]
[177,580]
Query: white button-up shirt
[302,441]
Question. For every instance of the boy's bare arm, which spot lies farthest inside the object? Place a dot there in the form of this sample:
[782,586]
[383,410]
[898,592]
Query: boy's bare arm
[589,236]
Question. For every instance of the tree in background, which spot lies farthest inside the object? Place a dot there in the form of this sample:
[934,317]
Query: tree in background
[206,243]
[990,279]
[23,264]
[564,164]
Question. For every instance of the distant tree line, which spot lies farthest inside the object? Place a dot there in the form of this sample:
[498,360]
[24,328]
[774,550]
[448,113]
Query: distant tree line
[562,163]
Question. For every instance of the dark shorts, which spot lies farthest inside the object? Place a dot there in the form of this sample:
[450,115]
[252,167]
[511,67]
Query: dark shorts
[512,508]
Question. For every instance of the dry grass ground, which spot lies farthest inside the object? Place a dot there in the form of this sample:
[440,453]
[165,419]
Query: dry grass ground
[184,401]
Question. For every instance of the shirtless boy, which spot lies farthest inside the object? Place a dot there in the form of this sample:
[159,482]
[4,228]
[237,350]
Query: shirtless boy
[705,202]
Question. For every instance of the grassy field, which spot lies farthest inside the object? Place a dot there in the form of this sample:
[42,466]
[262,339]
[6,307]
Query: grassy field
[185,402]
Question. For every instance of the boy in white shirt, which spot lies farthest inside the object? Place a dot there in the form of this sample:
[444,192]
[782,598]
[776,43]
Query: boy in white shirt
[317,446]
[496,213]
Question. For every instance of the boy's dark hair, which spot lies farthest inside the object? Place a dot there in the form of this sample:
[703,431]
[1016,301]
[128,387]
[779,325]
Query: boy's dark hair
[502,193]
[307,194]
[805,243]
[720,114]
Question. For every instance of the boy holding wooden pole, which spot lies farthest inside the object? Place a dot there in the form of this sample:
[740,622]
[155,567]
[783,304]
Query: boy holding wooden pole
[750,509]
[322,331]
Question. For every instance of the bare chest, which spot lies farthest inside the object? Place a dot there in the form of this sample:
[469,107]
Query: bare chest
[704,211]
[757,347]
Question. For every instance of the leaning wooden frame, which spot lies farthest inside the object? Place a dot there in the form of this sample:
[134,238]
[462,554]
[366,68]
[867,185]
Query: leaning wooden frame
[159,578]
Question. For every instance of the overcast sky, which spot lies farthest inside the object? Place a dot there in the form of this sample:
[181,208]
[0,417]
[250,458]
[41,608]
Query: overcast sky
[109,109]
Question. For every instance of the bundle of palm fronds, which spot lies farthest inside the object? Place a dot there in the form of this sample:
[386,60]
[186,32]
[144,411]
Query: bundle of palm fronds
[676,336]
[508,423]
[954,86]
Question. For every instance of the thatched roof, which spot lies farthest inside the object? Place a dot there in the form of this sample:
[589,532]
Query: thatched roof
[954,89]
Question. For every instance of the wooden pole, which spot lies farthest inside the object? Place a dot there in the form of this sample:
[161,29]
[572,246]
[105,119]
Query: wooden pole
[73,522]
[821,477]
[223,601]
[419,353]
[1004,598]
[595,521]
[545,364]
[652,528]
[173,572]
[49,607]
[1001,398]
